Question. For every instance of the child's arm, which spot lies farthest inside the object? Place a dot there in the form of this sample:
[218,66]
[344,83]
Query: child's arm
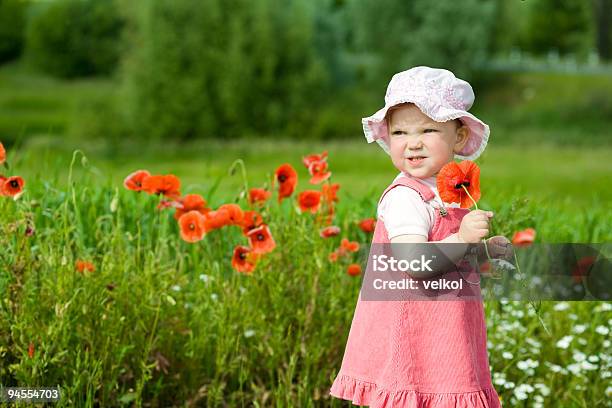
[444,257]
[474,227]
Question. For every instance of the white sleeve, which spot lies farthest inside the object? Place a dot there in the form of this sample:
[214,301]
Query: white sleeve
[403,212]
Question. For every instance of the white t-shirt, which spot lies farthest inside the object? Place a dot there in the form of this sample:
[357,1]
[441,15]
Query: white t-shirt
[403,211]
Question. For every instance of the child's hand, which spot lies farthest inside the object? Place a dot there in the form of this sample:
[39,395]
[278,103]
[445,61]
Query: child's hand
[474,226]
[499,247]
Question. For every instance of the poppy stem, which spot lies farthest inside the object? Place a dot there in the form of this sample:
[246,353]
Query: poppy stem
[518,268]
[484,241]
[469,195]
[232,170]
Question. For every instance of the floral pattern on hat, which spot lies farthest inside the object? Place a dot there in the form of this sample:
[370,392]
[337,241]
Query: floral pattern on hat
[439,95]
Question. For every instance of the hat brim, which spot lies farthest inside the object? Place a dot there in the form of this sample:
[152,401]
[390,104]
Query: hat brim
[375,128]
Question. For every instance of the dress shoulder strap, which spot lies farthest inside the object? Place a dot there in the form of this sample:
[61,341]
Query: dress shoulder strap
[424,191]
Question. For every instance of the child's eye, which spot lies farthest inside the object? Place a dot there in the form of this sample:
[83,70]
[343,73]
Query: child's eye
[430,130]
[398,132]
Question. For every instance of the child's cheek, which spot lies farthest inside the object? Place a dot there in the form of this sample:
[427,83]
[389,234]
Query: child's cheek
[397,157]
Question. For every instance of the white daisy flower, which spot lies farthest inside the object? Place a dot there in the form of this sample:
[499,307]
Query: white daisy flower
[565,341]
[579,328]
[544,390]
[561,306]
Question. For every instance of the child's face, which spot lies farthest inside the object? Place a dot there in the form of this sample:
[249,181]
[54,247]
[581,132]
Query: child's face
[419,145]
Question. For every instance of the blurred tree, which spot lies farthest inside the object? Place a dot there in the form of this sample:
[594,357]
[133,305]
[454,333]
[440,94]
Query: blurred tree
[221,68]
[70,38]
[603,16]
[393,35]
[510,24]
[330,39]
[12,27]
[561,25]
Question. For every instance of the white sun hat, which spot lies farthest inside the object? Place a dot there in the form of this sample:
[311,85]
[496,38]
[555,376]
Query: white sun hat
[439,95]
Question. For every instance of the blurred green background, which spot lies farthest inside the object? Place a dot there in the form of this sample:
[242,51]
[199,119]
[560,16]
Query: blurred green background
[189,86]
[76,71]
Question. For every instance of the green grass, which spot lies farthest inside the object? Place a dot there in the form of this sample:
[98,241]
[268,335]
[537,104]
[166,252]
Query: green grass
[567,109]
[179,325]
[32,103]
[561,182]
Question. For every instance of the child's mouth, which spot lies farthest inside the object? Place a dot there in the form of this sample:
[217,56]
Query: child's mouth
[416,160]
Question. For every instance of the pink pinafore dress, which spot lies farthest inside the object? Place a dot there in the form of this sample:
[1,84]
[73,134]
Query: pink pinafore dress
[418,353]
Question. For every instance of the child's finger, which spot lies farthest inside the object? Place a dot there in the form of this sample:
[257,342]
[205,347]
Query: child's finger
[482,232]
[481,224]
[483,212]
[480,216]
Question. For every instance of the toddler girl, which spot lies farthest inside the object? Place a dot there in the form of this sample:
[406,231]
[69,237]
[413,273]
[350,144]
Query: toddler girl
[422,353]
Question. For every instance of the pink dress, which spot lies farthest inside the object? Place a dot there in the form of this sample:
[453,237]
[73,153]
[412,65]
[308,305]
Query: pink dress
[418,354]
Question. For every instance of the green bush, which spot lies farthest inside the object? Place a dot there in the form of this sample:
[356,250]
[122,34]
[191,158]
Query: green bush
[72,38]
[217,68]
[12,26]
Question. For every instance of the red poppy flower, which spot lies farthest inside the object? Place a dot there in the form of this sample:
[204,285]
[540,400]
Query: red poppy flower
[31,350]
[216,219]
[12,186]
[134,181]
[192,225]
[330,231]
[235,213]
[251,220]
[258,195]
[167,185]
[261,240]
[524,238]
[287,179]
[582,268]
[351,246]
[244,259]
[318,171]
[353,269]
[367,225]
[453,177]
[191,202]
[338,253]
[309,200]
[84,266]
[2,154]
[330,192]
[314,158]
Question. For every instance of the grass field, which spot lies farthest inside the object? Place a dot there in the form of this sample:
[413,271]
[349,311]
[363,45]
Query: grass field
[165,323]
[162,321]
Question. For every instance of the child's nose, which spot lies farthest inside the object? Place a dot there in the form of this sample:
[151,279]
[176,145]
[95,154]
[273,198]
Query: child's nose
[415,144]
